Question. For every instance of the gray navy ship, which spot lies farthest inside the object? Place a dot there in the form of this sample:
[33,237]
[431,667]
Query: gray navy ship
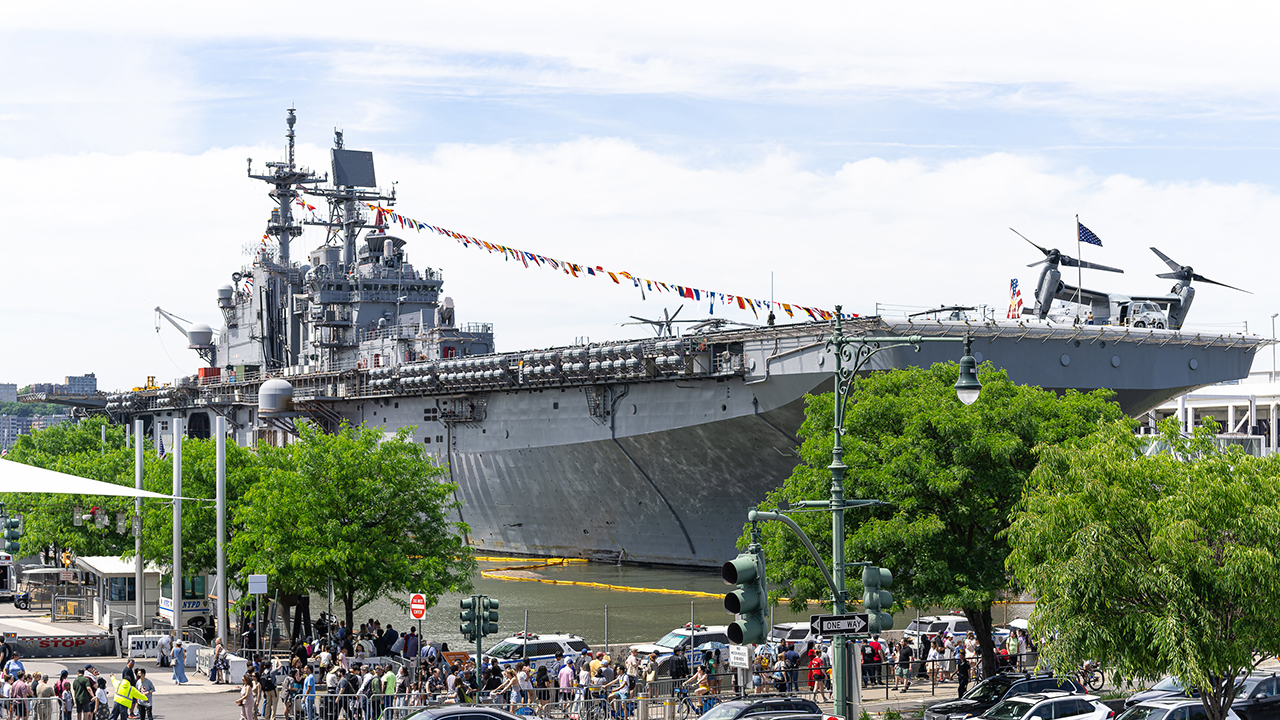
[648,450]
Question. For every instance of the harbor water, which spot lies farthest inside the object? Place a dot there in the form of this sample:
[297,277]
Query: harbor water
[599,615]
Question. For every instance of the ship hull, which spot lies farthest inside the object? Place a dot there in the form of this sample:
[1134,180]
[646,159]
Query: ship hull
[655,468]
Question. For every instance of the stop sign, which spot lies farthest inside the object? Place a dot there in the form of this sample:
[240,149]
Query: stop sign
[418,606]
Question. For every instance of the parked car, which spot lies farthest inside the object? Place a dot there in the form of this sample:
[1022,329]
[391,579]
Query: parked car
[997,688]
[792,632]
[537,649]
[735,709]
[1258,698]
[1049,706]
[1169,709]
[681,636]
[464,712]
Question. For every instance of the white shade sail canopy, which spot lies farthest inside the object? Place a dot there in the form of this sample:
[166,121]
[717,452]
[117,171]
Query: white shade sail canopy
[18,478]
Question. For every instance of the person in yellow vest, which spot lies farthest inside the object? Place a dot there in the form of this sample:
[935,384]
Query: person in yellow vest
[126,693]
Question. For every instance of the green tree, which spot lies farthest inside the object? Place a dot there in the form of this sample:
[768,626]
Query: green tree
[369,513]
[76,449]
[1153,565]
[951,473]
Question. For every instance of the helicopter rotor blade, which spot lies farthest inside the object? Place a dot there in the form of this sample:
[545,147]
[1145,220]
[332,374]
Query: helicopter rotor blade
[674,314]
[1203,279]
[1040,262]
[1024,237]
[1170,276]
[1167,261]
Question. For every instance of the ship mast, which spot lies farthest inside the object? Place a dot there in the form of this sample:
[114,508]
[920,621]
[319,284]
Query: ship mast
[281,327]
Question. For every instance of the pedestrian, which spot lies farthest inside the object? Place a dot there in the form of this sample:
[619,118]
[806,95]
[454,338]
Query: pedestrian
[46,697]
[68,701]
[162,650]
[245,701]
[82,693]
[267,687]
[818,677]
[179,663]
[146,709]
[903,670]
[101,701]
[679,668]
[564,677]
[962,674]
[793,668]
[125,696]
[309,692]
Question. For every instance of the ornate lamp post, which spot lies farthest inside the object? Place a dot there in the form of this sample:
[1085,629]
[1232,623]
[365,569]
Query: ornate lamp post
[851,354]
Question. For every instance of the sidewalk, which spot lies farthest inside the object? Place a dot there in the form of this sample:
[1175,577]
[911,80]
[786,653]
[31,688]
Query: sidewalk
[196,684]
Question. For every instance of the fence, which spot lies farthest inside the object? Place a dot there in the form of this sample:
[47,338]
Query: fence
[33,708]
[590,705]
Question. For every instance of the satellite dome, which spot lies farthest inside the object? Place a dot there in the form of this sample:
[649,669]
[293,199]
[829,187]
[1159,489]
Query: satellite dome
[275,398]
[199,336]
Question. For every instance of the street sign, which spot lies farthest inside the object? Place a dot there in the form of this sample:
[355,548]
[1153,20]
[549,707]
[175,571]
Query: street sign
[257,584]
[66,575]
[417,606]
[740,656]
[850,624]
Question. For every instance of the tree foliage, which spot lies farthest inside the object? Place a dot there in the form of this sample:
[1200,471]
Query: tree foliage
[370,513]
[1154,564]
[951,473]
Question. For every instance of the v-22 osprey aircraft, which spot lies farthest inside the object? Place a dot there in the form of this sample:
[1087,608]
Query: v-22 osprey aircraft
[1158,311]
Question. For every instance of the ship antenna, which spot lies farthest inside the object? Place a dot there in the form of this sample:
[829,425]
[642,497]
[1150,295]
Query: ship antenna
[291,120]
[337,138]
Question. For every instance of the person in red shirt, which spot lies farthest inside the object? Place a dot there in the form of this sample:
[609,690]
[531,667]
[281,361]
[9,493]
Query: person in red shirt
[817,676]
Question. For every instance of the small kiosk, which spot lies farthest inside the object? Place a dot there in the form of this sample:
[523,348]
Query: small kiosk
[115,582]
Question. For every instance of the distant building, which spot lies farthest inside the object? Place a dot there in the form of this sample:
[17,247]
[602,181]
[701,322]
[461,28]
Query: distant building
[81,384]
[8,392]
[11,426]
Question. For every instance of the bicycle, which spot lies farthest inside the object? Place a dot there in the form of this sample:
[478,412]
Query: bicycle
[1091,676]
[686,707]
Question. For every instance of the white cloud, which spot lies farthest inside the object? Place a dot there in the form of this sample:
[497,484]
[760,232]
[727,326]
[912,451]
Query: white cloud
[86,270]
[1078,57]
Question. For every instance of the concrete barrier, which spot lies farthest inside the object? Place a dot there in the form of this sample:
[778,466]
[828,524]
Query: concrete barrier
[60,646]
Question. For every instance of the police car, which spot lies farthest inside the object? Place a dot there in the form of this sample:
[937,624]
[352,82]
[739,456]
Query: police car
[536,649]
[681,637]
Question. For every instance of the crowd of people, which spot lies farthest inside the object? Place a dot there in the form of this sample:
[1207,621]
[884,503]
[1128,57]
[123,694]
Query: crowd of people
[943,658]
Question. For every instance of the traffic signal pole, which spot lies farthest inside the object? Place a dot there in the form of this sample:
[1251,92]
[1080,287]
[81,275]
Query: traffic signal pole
[851,353]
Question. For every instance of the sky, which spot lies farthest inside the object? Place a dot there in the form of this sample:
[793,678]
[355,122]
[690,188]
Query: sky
[863,154]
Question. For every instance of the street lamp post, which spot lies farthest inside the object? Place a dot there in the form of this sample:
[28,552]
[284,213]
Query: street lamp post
[851,354]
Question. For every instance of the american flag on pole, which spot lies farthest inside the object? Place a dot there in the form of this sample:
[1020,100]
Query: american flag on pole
[1015,300]
[160,453]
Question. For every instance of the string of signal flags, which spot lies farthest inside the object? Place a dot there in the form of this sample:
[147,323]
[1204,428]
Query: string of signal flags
[581,270]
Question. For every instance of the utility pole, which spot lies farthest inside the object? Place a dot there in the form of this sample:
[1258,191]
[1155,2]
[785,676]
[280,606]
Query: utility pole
[139,590]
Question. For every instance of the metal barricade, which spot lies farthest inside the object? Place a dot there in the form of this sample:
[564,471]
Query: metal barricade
[70,608]
[32,708]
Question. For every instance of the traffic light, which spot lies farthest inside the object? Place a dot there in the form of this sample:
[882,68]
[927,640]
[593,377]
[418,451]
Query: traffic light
[12,528]
[748,601]
[488,624]
[468,617]
[876,599]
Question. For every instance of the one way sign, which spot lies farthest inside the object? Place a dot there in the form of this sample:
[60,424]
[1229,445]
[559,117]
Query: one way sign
[853,623]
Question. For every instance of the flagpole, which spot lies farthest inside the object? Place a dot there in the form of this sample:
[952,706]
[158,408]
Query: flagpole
[1079,268]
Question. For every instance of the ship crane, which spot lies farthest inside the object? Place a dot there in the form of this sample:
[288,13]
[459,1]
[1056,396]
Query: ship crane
[199,336]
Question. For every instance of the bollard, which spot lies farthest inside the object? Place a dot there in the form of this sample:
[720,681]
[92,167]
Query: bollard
[669,709]
[643,697]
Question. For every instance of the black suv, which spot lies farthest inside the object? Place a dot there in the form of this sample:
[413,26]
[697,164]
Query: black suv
[987,693]
[734,709]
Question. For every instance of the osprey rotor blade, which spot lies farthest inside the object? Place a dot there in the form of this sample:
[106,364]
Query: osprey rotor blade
[1040,262]
[1096,266]
[1203,279]
[674,314]
[1167,261]
[1024,237]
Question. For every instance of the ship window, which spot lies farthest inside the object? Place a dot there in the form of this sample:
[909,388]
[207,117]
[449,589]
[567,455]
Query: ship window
[555,406]
[397,406]
[426,440]
[439,438]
